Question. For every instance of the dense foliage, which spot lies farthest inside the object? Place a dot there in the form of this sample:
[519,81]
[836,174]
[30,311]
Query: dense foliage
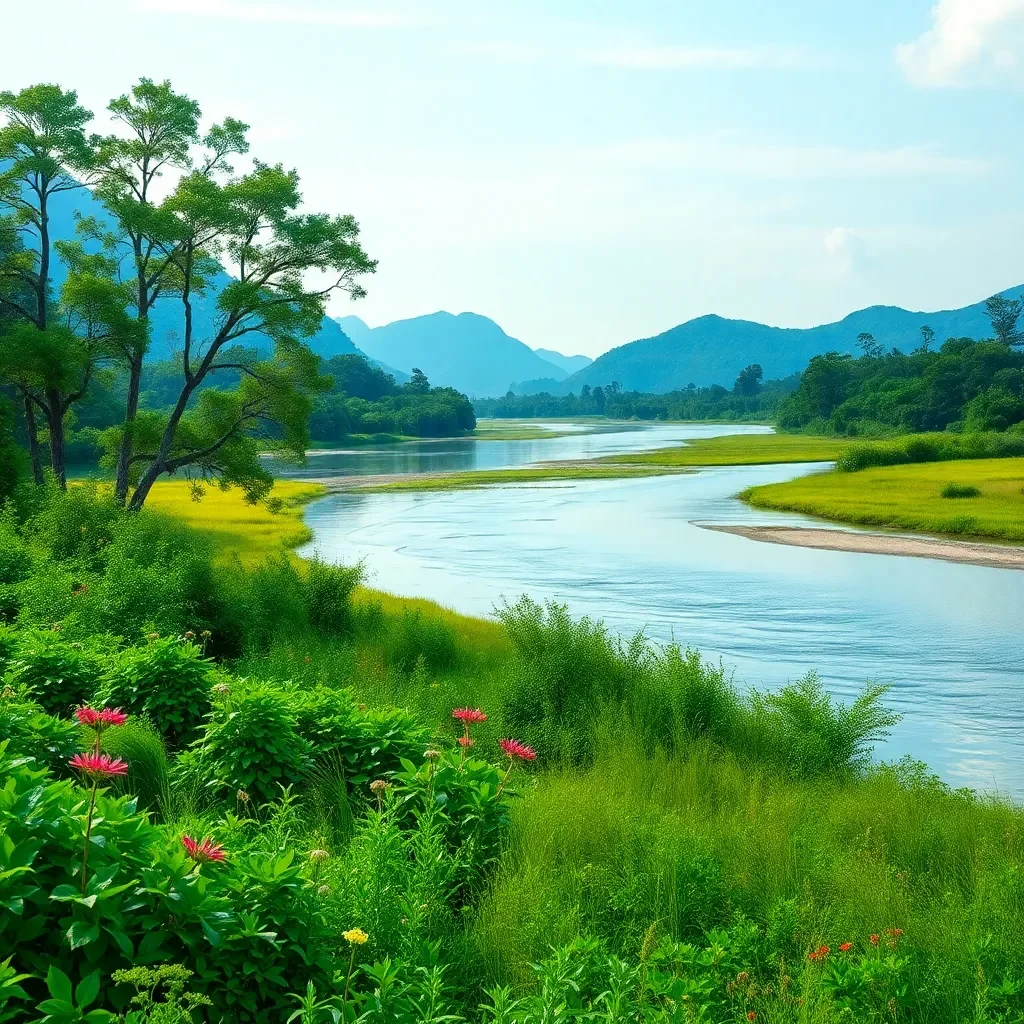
[964,385]
[290,821]
[749,399]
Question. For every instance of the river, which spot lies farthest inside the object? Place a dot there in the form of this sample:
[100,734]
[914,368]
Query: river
[946,636]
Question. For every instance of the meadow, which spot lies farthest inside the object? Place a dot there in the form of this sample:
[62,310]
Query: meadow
[739,450]
[968,497]
[317,816]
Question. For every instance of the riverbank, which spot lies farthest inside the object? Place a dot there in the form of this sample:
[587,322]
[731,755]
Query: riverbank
[970,552]
[984,498]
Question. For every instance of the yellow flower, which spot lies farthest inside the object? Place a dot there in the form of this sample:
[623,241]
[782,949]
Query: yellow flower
[356,936]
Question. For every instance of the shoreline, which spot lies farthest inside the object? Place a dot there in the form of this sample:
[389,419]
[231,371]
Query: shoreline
[992,556]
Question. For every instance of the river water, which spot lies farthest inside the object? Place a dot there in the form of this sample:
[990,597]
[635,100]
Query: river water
[947,637]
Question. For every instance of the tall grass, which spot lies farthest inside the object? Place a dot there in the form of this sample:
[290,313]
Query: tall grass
[936,447]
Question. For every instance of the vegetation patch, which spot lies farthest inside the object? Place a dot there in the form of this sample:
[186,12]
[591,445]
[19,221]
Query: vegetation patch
[910,497]
[738,450]
[960,491]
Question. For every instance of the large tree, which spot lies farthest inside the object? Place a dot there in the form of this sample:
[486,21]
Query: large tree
[42,146]
[252,227]
[1004,314]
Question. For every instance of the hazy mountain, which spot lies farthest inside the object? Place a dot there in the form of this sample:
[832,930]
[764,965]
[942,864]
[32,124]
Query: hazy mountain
[570,364]
[712,349]
[468,352]
[166,316]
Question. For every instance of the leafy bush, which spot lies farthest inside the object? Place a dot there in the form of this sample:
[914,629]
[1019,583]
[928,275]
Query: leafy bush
[943,447]
[252,743]
[60,674]
[31,732]
[15,558]
[960,491]
[422,638]
[263,604]
[168,681]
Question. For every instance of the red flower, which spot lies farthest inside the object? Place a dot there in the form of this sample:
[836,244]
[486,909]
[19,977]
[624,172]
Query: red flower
[751,1015]
[845,947]
[469,716]
[465,741]
[517,750]
[894,933]
[98,766]
[819,954]
[204,851]
[101,719]
[874,939]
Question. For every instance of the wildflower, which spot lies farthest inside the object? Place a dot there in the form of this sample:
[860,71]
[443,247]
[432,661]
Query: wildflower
[222,690]
[466,742]
[324,890]
[189,635]
[431,755]
[751,1015]
[242,797]
[874,939]
[518,751]
[307,659]
[894,933]
[379,785]
[469,716]
[7,693]
[152,636]
[845,947]
[98,766]
[318,856]
[204,851]
[742,978]
[356,936]
[821,953]
[206,634]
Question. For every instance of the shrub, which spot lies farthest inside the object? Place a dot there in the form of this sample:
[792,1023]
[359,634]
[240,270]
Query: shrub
[58,673]
[328,591]
[427,638]
[31,732]
[252,743]
[942,447]
[263,604]
[168,681]
[77,524]
[15,559]
[960,491]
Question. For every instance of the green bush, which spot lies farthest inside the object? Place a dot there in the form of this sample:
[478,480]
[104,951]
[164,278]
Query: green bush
[328,591]
[31,732]
[262,604]
[15,558]
[428,638]
[58,673]
[943,447]
[251,743]
[168,681]
[960,491]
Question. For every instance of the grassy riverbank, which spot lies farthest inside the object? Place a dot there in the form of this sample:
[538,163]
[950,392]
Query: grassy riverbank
[689,846]
[738,450]
[910,497]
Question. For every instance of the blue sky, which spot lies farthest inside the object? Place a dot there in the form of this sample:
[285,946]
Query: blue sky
[588,172]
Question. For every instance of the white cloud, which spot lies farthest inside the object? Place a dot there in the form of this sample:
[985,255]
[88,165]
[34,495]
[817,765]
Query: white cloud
[281,13]
[968,40]
[847,252]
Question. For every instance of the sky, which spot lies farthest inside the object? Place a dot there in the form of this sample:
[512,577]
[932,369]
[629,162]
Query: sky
[588,172]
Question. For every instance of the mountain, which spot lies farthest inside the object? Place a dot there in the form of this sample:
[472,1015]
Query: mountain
[570,364]
[165,317]
[468,352]
[713,350]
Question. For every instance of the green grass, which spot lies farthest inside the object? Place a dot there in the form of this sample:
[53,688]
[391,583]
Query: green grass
[910,497]
[524,475]
[738,450]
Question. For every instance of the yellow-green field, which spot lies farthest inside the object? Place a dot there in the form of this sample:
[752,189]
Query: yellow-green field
[909,497]
[252,532]
[738,450]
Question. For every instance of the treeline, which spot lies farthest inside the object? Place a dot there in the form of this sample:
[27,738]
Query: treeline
[749,399]
[966,385]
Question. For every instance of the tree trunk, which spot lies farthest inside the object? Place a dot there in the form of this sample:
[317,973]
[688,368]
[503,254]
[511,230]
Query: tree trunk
[55,421]
[33,442]
[131,410]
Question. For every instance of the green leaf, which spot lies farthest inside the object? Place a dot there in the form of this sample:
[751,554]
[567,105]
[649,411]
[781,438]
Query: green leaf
[88,989]
[81,933]
[59,984]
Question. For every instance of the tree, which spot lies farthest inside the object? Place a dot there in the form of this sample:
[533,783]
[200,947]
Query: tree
[162,128]
[748,383]
[927,337]
[42,144]
[1004,314]
[253,222]
[418,381]
[867,344]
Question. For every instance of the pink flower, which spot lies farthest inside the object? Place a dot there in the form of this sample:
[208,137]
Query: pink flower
[518,751]
[204,851]
[469,716]
[98,766]
[465,741]
[101,719]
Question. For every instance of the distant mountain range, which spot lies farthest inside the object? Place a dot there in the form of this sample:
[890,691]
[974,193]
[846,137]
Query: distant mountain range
[713,350]
[465,351]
